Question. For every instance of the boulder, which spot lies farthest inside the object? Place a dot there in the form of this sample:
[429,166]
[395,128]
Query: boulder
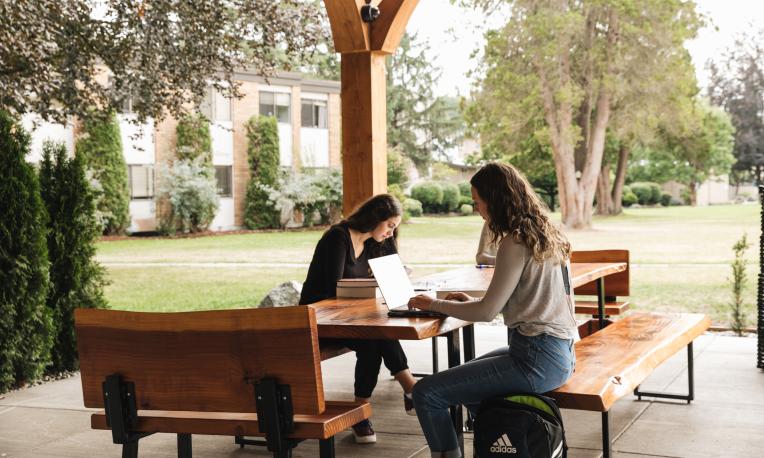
[287,293]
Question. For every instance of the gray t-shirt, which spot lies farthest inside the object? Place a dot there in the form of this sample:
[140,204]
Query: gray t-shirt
[530,295]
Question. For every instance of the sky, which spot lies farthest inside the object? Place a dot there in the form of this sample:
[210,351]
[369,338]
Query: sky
[453,33]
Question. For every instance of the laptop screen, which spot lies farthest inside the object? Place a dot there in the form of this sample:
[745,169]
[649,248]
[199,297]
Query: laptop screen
[392,280]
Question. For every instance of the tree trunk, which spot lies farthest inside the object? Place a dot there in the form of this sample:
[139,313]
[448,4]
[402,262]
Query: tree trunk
[604,198]
[693,193]
[620,179]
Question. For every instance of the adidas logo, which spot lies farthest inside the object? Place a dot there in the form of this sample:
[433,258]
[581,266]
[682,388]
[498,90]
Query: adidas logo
[503,445]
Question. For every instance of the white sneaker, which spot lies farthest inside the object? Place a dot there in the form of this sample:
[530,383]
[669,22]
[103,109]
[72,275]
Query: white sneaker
[363,433]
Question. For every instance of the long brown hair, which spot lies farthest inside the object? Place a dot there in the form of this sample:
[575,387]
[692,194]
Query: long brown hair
[369,214]
[515,210]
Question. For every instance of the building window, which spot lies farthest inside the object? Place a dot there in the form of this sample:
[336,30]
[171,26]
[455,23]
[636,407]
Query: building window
[215,106]
[224,177]
[141,181]
[314,113]
[275,104]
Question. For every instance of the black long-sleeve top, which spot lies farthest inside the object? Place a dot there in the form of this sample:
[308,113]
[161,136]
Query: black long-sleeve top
[335,259]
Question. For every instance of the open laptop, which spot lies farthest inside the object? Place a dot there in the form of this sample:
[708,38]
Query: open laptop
[396,287]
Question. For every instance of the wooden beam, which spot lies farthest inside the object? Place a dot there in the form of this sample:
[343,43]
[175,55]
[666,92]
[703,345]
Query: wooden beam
[388,29]
[364,122]
[350,33]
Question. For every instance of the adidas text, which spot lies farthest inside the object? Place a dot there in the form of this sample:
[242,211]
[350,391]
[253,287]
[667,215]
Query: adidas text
[503,445]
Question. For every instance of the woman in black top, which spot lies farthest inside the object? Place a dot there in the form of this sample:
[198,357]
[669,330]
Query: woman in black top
[344,252]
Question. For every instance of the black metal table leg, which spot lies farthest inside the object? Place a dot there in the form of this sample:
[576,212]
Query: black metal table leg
[326,448]
[689,397]
[454,359]
[601,301]
[605,435]
[184,446]
[468,334]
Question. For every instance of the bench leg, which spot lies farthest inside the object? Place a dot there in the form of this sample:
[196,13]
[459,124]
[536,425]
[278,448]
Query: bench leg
[434,360]
[605,435]
[689,397]
[184,446]
[326,448]
[130,450]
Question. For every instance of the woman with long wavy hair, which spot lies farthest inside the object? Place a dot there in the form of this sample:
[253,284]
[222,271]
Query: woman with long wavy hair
[528,288]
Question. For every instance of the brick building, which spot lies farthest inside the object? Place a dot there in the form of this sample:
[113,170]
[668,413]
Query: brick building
[308,115]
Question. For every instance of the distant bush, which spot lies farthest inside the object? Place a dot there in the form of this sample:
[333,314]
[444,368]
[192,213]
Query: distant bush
[430,194]
[466,210]
[413,207]
[312,194]
[263,156]
[628,198]
[647,193]
[397,168]
[100,146]
[192,195]
[665,199]
[465,189]
[451,197]
[396,191]
[465,200]
[194,140]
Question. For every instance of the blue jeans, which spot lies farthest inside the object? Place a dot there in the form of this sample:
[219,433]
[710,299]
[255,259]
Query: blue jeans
[527,365]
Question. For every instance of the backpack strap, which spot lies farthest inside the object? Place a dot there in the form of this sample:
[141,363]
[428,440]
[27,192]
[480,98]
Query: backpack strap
[565,277]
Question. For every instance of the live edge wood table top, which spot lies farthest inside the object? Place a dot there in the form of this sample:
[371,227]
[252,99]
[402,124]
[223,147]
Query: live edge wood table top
[367,318]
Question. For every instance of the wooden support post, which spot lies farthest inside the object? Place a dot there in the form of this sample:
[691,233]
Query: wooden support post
[364,135]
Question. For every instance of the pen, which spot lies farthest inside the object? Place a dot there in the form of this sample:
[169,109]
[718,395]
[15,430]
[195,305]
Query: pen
[484,266]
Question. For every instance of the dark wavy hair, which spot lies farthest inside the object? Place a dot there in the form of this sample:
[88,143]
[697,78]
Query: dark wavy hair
[516,211]
[369,214]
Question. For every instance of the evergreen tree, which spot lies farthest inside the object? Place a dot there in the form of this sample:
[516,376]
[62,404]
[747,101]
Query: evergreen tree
[100,147]
[25,324]
[194,140]
[76,280]
[263,153]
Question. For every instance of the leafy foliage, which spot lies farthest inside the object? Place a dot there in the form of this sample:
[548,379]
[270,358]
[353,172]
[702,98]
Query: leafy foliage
[418,123]
[76,279]
[194,140]
[100,147]
[451,197]
[163,53]
[430,194]
[397,168]
[413,207]
[739,279]
[309,193]
[192,194]
[263,154]
[25,322]
[737,85]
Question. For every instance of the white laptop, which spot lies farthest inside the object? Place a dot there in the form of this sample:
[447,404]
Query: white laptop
[396,287]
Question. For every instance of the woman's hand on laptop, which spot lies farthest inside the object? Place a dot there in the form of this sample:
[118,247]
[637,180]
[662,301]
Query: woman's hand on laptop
[421,302]
[459,297]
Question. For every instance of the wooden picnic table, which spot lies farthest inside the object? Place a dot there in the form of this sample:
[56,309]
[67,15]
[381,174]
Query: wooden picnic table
[366,318]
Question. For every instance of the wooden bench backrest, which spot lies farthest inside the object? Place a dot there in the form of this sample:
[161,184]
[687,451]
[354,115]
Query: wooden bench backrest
[201,361]
[611,362]
[616,284]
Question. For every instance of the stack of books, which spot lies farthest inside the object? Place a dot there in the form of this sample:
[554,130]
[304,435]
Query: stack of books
[358,287]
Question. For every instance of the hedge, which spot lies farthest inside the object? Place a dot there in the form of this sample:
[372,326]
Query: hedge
[263,154]
[430,194]
[451,197]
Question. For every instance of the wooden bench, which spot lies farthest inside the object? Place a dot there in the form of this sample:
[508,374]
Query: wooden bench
[613,286]
[612,362]
[252,372]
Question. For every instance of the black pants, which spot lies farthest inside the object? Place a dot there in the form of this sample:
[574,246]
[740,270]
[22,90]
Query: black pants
[369,356]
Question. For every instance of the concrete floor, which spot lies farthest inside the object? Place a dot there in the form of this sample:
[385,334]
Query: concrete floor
[725,420]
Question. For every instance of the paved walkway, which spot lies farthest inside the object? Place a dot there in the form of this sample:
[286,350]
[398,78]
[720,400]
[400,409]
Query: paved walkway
[726,420]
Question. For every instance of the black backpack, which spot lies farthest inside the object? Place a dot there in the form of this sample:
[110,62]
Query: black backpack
[523,425]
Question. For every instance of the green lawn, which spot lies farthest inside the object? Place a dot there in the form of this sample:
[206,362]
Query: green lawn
[681,259]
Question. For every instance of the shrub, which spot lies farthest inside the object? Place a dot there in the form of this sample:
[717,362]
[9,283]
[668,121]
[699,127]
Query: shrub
[430,194]
[666,199]
[263,154]
[397,168]
[465,210]
[194,140]
[628,199]
[450,197]
[465,200]
[310,194]
[396,191]
[739,279]
[412,207]
[192,195]
[647,193]
[76,279]
[465,189]
[100,147]
[25,323]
